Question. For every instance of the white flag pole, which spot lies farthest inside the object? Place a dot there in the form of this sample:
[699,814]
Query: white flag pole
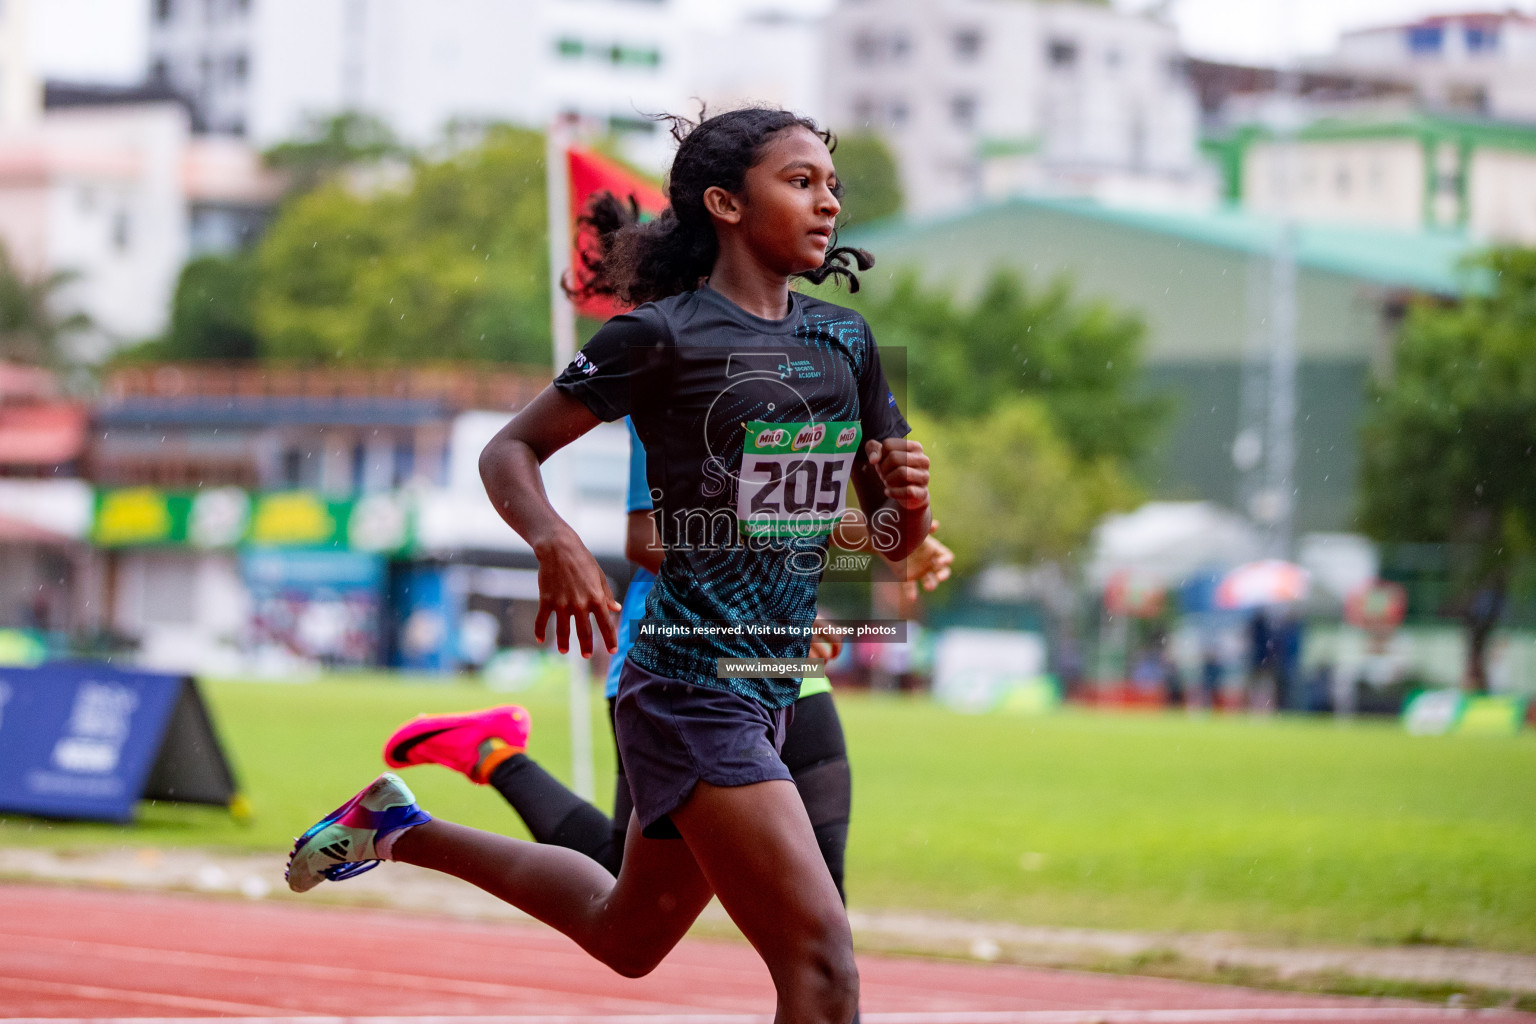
[557,180]
[562,323]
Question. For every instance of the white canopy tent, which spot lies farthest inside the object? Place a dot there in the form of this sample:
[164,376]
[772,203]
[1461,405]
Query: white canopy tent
[1169,541]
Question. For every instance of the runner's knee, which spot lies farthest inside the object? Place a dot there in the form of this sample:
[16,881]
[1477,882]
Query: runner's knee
[822,961]
[630,959]
[832,979]
[637,950]
[629,965]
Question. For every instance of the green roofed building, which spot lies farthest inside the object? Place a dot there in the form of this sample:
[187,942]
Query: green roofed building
[1201,283]
[1432,172]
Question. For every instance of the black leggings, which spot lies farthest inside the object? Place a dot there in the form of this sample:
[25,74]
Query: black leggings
[815,753]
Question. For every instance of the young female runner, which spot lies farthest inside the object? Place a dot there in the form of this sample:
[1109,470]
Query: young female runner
[758,407]
[490,746]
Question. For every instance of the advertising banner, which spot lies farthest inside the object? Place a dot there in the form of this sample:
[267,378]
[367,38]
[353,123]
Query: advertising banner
[1441,712]
[226,517]
[82,740]
[979,670]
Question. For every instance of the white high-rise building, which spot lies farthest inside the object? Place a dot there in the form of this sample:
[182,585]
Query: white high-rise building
[261,68]
[984,98]
[112,188]
[264,68]
[120,195]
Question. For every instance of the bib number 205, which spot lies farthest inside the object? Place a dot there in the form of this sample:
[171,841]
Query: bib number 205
[794,477]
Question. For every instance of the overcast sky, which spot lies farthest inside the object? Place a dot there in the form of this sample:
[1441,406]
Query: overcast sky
[103,40]
[89,40]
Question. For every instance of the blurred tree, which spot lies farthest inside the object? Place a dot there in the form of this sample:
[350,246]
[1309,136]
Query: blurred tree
[331,144]
[1449,440]
[1080,360]
[34,329]
[1007,488]
[871,184]
[453,266]
[211,313]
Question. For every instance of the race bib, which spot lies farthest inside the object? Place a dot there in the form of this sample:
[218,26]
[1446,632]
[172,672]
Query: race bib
[794,477]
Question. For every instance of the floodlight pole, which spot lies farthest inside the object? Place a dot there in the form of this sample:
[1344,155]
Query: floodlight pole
[562,323]
[1253,400]
[1280,452]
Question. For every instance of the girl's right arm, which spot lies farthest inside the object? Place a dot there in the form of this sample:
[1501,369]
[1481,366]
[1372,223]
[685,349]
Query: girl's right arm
[571,584]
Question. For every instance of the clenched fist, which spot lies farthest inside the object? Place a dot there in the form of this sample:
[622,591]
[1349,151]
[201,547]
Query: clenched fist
[903,468]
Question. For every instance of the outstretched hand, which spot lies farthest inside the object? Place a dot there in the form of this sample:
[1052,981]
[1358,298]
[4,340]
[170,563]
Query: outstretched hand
[929,565]
[903,468]
[824,644]
[572,587]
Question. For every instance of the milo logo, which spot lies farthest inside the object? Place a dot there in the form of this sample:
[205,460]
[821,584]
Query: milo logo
[771,438]
[847,436]
[809,436]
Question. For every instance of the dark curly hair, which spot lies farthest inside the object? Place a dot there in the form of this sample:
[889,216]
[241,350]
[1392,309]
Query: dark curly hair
[637,262]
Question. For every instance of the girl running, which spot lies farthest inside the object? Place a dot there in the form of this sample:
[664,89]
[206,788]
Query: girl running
[490,746]
[758,408]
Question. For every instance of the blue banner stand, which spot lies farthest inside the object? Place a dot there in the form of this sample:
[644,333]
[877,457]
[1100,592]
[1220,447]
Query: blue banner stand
[86,740]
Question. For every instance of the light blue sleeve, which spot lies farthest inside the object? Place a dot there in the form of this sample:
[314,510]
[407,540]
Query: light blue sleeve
[633,612]
[639,498]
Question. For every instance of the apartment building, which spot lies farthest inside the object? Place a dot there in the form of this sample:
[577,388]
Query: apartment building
[1472,63]
[987,98]
[1417,172]
[265,68]
[115,189]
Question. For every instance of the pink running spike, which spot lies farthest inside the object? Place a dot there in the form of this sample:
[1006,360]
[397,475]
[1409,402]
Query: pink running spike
[454,741]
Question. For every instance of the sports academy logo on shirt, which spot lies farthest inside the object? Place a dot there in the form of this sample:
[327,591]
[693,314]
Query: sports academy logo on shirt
[582,365]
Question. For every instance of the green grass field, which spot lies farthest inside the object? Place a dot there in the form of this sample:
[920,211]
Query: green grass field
[1288,830]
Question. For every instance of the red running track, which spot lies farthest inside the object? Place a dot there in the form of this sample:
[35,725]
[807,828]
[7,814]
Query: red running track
[102,955]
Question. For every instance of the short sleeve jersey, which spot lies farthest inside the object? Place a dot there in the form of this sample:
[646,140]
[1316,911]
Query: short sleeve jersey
[751,429]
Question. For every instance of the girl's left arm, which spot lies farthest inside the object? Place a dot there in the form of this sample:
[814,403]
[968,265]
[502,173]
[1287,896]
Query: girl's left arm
[572,586]
[892,484]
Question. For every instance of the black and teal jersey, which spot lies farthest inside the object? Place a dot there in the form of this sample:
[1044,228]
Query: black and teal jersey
[751,429]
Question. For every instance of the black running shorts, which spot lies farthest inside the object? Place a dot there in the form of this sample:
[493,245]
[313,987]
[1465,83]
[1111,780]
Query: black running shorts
[672,735]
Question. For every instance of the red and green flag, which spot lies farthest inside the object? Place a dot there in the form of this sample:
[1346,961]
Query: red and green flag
[592,174]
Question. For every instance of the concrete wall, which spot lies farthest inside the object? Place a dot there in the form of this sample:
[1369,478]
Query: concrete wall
[1378,182]
[187,609]
[1501,196]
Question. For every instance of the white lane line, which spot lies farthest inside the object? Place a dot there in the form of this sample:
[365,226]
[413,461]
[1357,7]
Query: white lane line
[331,972]
[1242,1015]
[122,995]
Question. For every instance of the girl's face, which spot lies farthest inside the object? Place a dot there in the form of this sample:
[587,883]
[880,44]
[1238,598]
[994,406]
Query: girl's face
[788,207]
